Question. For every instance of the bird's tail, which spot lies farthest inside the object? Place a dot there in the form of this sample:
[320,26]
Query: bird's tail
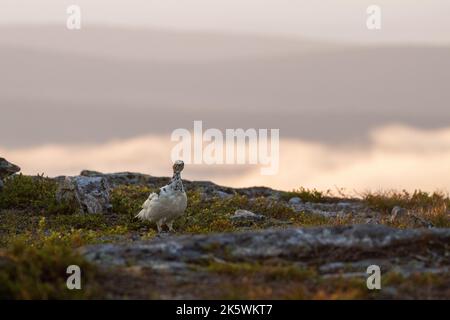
[140,215]
[143,213]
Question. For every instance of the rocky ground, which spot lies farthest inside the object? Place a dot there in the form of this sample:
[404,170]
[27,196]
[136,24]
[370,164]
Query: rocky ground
[251,243]
[292,263]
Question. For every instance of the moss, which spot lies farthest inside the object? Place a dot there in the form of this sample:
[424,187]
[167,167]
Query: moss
[303,219]
[128,200]
[268,272]
[38,271]
[244,280]
[86,228]
[79,221]
[407,285]
[261,281]
[203,216]
[36,194]
[278,281]
[213,215]
[341,288]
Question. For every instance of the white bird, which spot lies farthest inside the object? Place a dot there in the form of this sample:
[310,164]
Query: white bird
[168,203]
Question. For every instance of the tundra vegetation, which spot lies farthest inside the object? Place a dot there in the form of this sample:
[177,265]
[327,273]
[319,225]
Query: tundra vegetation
[40,236]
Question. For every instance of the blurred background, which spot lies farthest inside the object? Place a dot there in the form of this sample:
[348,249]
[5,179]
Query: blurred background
[357,109]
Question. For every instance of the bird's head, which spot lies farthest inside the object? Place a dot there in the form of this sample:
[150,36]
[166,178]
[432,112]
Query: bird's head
[178,166]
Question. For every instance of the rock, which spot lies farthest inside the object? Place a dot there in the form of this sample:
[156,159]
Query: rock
[241,214]
[398,212]
[207,189]
[185,266]
[332,267]
[332,210]
[254,192]
[295,200]
[123,178]
[211,194]
[371,221]
[422,222]
[330,246]
[390,292]
[91,173]
[7,169]
[67,193]
[223,195]
[344,205]
[296,204]
[91,193]
[275,196]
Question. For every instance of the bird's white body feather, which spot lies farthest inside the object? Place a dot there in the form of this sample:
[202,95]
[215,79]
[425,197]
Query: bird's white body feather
[167,205]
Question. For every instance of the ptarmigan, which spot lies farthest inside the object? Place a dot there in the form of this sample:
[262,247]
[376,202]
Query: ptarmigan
[168,203]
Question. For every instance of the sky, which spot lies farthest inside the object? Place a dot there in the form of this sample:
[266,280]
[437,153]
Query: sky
[399,158]
[335,20]
[356,109]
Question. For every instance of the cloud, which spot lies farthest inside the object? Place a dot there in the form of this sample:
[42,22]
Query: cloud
[398,157]
[406,20]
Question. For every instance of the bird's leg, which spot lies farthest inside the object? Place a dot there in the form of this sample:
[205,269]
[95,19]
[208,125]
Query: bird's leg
[159,226]
[170,225]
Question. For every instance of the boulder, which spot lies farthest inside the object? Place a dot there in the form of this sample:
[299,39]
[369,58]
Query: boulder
[240,215]
[402,215]
[295,201]
[322,245]
[67,193]
[191,266]
[7,169]
[121,178]
[329,210]
[223,195]
[90,193]
[398,213]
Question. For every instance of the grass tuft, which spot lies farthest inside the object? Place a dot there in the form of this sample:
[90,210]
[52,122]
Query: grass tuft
[307,195]
[433,207]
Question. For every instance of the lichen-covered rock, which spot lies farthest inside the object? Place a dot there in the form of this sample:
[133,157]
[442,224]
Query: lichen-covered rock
[121,178]
[331,210]
[223,195]
[67,193]
[295,201]
[90,193]
[245,215]
[208,189]
[209,195]
[6,169]
[398,213]
[307,245]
